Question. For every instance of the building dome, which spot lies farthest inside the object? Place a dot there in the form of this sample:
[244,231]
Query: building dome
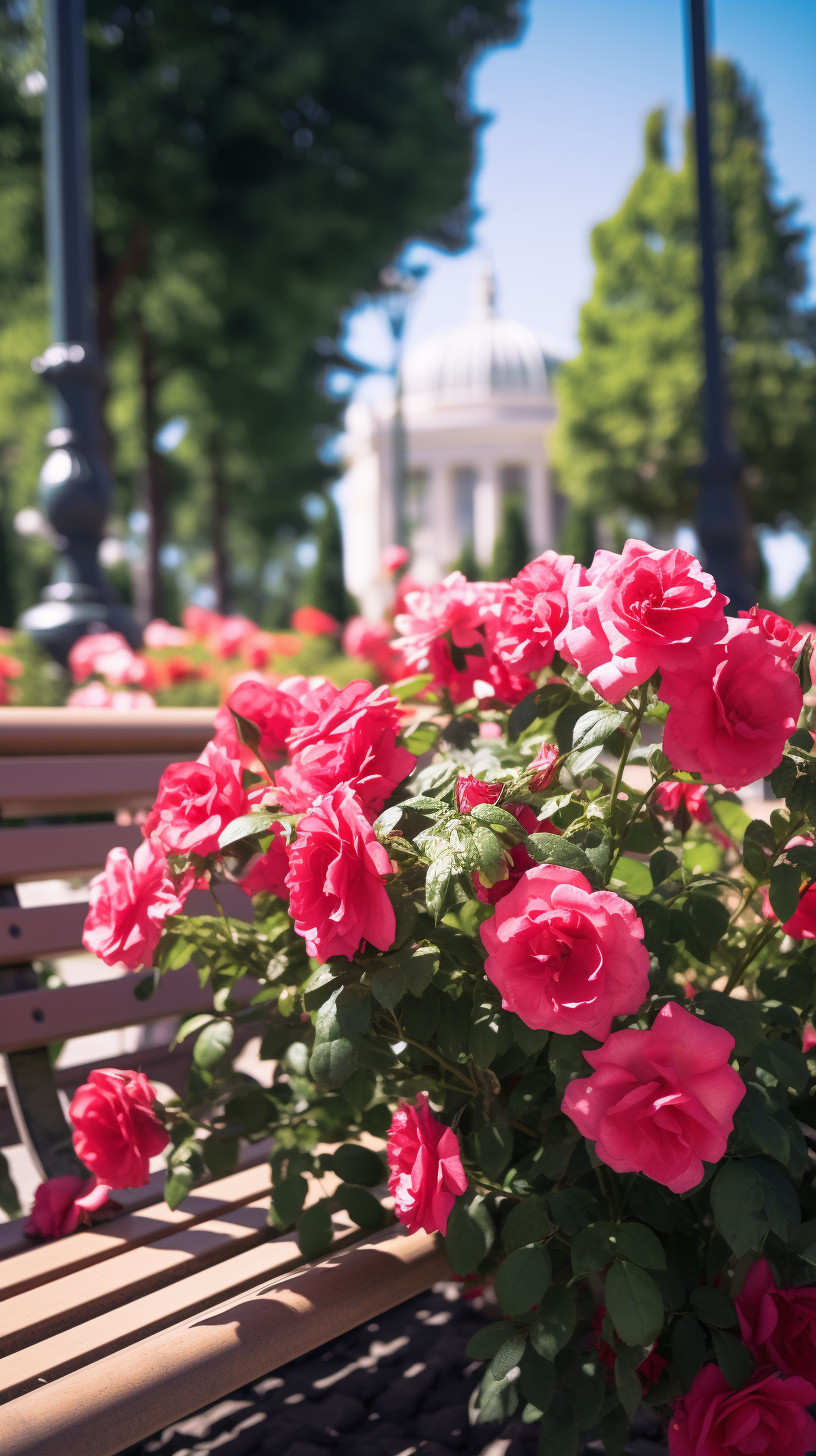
[482,359]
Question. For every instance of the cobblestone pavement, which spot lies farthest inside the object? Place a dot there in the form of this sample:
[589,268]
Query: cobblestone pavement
[398,1386]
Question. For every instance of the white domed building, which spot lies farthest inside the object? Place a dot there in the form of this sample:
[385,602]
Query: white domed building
[477,408]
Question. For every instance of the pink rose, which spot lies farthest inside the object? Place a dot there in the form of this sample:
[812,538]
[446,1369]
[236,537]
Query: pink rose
[808,1037]
[312,622]
[336,871]
[275,711]
[426,1169]
[116,1131]
[196,802]
[128,905]
[778,1325]
[345,736]
[159,633]
[766,1417]
[394,558]
[228,636]
[93,695]
[802,924]
[372,642]
[533,613]
[436,618]
[659,1101]
[471,791]
[267,875]
[786,640]
[60,1203]
[672,798]
[542,768]
[565,957]
[632,614]
[106,653]
[732,711]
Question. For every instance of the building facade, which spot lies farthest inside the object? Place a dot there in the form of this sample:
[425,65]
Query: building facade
[477,409]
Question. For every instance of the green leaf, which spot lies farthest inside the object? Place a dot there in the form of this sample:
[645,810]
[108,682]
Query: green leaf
[9,1202]
[494,1145]
[355,1164]
[521,1279]
[212,1044]
[507,1358]
[635,1241]
[737,1202]
[537,704]
[406,970]
[191,1024]
[781,1202]
[631,877]
[634,1302]
[663,865]
[528,1038]
[488,1341]
[733,1358]
[742,1019]
[706,921]
[352,1010]
[587,1389]
[332,1062]
[410,687]
[498,1400]
[757,1130]
[490,1032]
[178,1185]
[366,1210]
[438,882]
[783,891]
[314,1230]
[559,1433]
[145,987]
[758,849]
[731,817]
[288,1198]
[627,1384]
[593,1248]
[527,1223]
[421,737]
[220,1154]
[713,1307]
[492,814]
[470,1234]
[537,1379]
[247,826]
[615,1431]
[571,1208]
[662,1209]
[555,1321]
[789,1064]
[319,987]
[782,778]
[423,805]
[688,1346]
[555,849]
[595,727]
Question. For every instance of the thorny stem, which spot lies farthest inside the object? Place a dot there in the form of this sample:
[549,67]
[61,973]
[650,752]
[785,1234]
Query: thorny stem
[449,1067]
[630,735]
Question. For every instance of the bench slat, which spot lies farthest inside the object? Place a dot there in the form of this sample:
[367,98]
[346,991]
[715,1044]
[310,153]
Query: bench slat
[130,1394]
[42,931]
[52,1259]
[57,851]
[31,787]
[182,732]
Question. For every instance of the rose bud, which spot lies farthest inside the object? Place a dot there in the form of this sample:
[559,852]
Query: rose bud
[542,768]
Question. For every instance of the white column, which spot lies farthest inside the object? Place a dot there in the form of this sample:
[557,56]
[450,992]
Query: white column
[485,514]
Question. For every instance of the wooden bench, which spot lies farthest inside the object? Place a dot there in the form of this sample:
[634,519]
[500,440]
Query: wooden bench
[117,1330]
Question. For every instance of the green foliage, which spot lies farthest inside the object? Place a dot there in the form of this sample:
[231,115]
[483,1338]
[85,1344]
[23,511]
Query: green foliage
[630,431]
[325,587]
[511,551]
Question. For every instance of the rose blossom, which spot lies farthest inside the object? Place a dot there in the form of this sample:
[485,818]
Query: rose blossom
[778,1325]
[659,1101]
[116,1131]
[372,642]
[107,653]
[275,711]
[394,558]
[565,957]
[802,924]
[128,905]
[786,640]
[60,1203]
[766,1417]
[426,1169]
[345,736]
[533,612]
[633,613]
[312,622]
[268,873]
[671,798]
[732,711]
[435,616]
[542,768]
[336,871]
[196,802]
[159,633]
[471,791]
[808,1037]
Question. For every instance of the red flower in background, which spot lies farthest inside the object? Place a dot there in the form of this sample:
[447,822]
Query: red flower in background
[267,874]
[426,1167]
[766,1417]
[669,799]
[60,1204]
[394,558]
[649,1370]
[116,1131]
[778,1325]
[314,623]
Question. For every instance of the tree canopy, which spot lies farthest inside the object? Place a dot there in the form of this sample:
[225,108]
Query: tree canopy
[630,432]
[255,167]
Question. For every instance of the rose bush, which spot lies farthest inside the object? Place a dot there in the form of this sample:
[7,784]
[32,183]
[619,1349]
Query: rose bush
[550,968]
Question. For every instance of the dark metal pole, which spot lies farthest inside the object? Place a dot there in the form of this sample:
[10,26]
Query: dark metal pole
[722,520]
[75,482]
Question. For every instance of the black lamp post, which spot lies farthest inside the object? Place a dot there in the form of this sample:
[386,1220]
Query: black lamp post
[75,482]
[723,526]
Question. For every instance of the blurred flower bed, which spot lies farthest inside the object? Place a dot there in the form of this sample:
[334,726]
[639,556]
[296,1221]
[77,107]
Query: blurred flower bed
[195,665]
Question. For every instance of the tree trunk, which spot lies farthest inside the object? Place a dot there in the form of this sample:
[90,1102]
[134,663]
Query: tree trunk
[219,527]
[154,502]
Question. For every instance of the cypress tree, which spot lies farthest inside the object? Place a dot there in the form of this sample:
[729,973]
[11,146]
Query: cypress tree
[511,550]
[325,587]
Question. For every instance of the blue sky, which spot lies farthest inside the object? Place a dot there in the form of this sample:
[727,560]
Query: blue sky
[568,103]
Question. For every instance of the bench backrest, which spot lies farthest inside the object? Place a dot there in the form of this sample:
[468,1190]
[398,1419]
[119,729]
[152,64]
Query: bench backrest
[55,764]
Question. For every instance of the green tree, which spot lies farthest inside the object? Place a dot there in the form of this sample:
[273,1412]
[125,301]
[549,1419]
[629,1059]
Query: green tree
[630,432]
[511,550]
[325,587]
[578,536]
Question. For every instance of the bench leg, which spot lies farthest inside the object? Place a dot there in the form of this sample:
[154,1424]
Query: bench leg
[32,1091]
